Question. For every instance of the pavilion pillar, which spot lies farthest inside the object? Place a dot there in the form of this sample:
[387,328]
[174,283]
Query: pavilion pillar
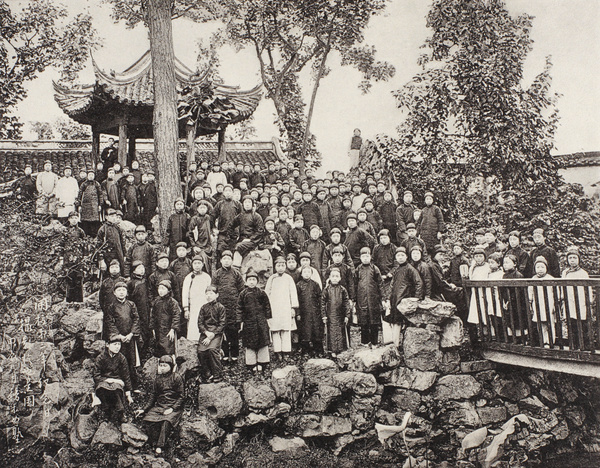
[95,147]
[131,150]
[190,154]
[123,144]
[222,153]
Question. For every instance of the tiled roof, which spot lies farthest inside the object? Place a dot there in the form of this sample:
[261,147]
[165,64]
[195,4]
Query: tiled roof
[589,158]
[134,87]
[13,160]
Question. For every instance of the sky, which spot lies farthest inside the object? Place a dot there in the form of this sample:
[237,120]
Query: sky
[567,30]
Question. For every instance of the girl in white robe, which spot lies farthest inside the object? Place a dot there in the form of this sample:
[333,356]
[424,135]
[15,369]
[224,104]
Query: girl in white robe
[193,295]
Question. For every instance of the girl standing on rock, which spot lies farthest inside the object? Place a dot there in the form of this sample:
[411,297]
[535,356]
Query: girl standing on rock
[335,312]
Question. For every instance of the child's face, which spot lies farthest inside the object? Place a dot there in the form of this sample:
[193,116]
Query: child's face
[202,209]
[306,273]
[140,270]
[305,262]
[280,267]
[251,282]
[297,196]
[307,197]
[336,238]
[163,263]
[141,237]
[493,264]
[415,255]
[227,192]
[337,258]
[428,201]
[365,258]
[385,240]
[335,277]
[179,206]
[508,264]
[411,232]
[299,223]
[114,270]
[540,269]
[480,239]
[292,264]
[351,223]
[408,198]
[321,195]
[73,220]
[247,204]
[197,265]
[489,237]
[538,239]
[283,216]
[514,241]
[573,260]
[457,250]
[163,368]
[273,212]
[162,291]
[387,197]
[269,226]
[114,347]
[211,295]
[226,261]
[121,293]
[181,252]
[479,258]
[401,258]
[369,207]
[314,234]
[347,204]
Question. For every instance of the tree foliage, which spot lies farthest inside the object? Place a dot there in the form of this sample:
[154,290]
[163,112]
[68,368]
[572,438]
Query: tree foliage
[34,37]
[469,103]
[42,130]
[68,129]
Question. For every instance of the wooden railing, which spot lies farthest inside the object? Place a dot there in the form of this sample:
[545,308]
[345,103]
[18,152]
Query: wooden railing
[555,319]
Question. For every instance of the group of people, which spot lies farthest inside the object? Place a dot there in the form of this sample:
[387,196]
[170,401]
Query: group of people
[343,253]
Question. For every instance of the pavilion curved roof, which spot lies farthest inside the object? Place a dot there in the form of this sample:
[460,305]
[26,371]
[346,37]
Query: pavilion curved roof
[131,92]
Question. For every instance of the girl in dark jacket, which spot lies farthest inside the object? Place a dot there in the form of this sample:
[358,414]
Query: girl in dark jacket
[368,298]
[211,323]
[335,313]
[416,258]
[308,318]
[137,291]
[431,223]
[166,316]
[165,408]
[254,311]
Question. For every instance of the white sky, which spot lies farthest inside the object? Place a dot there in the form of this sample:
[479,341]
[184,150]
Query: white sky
[565,29]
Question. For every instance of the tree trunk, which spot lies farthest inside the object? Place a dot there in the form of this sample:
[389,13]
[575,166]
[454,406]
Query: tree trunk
[122,152]
[165,127]
[311,107]
[222,154]
[95,147]
[191,155]
[131,149]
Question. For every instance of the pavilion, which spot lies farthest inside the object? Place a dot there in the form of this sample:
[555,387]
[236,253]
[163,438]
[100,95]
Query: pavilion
[122,104]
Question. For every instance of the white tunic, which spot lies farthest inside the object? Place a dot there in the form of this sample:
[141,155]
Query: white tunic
[283,296]
[67,190]
[577,274]
[477,273]
[193,294]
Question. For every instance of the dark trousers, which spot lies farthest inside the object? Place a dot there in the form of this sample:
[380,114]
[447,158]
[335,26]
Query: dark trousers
[159,432]
[210,362]
[74,284]
[369,334]
[90,227]
[112,403]
[128,350]
[231,342]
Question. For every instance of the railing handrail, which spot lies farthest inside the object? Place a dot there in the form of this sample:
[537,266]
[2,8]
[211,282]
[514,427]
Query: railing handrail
[525,282]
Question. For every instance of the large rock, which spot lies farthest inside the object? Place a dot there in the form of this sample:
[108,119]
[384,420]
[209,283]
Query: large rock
[405,400]
[86,425]
[376,359]
[422,349]
[319,371]
[492,414]
[359,383]
[287,382]
[258,395]
[320,400]
[132,435]
[55,393]
[77,320]
[464,414]
[9,377]
[426,311]
[450,362]
[291,446]
[411,379]
[188,350]
[220,400]
[362,411]
[94,324]
[141,460]
[107,434]
[150,368]
[42,357]
[92,346]
[259,261]
[312,425]
[453,333]
[514,390]
[199,428]
[456,387]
